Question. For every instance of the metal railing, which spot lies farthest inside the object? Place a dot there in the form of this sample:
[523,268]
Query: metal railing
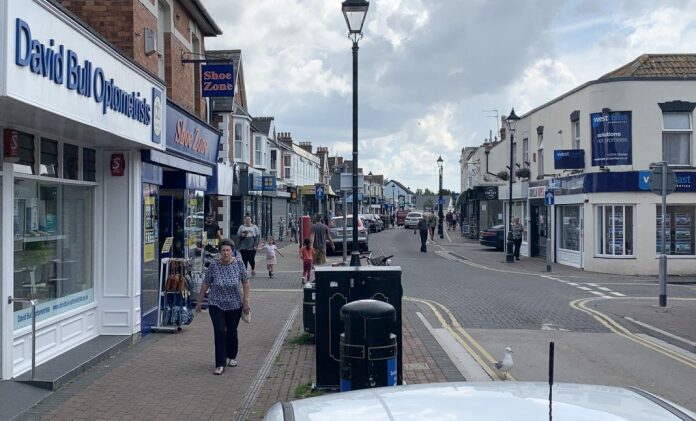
[32,302]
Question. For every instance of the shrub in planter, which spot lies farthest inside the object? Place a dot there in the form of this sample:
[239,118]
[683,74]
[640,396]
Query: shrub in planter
[523,172]
[503,175]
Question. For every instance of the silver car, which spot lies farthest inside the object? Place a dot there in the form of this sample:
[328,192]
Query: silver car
[484,401]
[412,219]
[336,227]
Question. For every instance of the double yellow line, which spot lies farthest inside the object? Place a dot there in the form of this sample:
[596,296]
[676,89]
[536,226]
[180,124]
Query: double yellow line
[475,350]
[609,323]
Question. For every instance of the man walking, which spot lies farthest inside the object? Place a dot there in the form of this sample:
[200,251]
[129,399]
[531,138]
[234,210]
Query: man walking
[292,225]
[281,228]
[422,228]
[320,236]
[432,223]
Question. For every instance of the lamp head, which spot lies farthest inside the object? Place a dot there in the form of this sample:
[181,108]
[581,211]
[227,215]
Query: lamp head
[355,11]
[512,121]
[439,162]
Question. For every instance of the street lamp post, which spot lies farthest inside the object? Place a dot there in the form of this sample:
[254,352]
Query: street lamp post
[511,121]
[369,196]
[354,12]
[440,215]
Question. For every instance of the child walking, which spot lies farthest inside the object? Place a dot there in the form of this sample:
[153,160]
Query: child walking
[270,250]
[307,256]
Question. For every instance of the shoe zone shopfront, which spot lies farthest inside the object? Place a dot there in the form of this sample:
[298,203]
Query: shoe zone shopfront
[174,183]
[74,115]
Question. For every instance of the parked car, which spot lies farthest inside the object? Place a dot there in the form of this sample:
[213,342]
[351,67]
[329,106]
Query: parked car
[493,237]
[484,401]
[374,223]
[412,219]
[336,227]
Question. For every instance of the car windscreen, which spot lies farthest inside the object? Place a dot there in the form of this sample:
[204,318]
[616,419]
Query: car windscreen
[414,215]
[338,223]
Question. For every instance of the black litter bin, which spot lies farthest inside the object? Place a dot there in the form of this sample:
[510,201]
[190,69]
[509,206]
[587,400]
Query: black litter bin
[308,307]
[368,346]
[338,286]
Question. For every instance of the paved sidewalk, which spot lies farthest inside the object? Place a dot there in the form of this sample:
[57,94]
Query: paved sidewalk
[169,376]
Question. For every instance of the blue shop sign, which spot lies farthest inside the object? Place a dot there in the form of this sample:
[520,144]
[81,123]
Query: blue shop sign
[62,66]
[217,80]
[611,138]
[568,159]
[191,137]
[269,183]
[633,181]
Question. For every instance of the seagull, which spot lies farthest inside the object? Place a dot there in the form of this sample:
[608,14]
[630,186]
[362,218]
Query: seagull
[506,364]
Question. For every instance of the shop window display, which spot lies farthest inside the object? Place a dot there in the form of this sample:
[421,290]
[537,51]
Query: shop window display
[615,230]
[679,227]
[52,247]
[569,218]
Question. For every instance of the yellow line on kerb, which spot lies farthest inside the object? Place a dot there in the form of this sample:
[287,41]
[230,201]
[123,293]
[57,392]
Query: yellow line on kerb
[463,337]
[615,327]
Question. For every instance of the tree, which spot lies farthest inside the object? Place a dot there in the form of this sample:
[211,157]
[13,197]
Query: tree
[419,192]
[427,192]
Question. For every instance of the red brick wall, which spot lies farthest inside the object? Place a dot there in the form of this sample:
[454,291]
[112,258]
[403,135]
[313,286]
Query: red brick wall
[181,21]
[112,19]
[142,18]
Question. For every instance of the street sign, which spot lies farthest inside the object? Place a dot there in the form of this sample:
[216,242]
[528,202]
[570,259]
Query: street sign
[550,198]
[319,191]
[441,201]
[656,181]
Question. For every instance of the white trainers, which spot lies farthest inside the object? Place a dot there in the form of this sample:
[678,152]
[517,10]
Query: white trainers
[231,362]
[219,370]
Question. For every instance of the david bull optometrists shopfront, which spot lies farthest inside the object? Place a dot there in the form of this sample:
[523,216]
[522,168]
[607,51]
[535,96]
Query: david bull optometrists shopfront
[74,116]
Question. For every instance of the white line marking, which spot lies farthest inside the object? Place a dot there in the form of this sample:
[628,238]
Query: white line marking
[592,285]
[573,284]
[618,294]
[584,288]
[601,294]
[602,288]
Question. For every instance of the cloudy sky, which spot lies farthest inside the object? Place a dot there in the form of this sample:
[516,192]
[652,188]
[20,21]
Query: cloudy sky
[431,71]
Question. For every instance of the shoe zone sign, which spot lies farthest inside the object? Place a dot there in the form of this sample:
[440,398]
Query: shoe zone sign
[55,64]
[217,80]
[611,138]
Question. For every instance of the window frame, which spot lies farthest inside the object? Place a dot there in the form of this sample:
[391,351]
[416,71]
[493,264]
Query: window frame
[688,132]
[600,229]
[238,141]
[258,151]
[576,134]
[672,226]
[540,155]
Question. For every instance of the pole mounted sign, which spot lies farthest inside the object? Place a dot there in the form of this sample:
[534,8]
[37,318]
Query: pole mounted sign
[319,191]
[549,198]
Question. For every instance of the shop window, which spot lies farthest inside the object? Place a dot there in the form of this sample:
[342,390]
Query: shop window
[519,210]
[569,223]
[49,158]
[614,230]
[676,138]
[27,157]
[89,164]
[679,227]
[52,248]
[70,162]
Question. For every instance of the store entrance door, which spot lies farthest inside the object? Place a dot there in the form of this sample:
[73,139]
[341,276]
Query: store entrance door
[538,231]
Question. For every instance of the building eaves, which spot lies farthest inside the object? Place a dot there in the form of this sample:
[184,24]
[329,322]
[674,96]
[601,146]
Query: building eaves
[202,18]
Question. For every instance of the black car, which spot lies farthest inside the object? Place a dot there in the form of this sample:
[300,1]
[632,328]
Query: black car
[492,237]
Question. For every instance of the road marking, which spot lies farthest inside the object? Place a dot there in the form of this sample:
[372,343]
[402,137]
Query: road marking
[447,235]
[615,327]
[602,288]
[459,334]
[618,294]
[584,288]
[592,285]
[601,294]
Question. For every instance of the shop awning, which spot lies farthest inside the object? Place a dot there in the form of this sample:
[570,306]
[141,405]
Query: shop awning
[173,161]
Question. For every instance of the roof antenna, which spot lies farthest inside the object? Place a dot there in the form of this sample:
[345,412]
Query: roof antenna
[551,347]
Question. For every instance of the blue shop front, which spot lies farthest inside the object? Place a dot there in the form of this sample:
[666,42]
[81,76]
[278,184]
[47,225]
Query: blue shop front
[174,183]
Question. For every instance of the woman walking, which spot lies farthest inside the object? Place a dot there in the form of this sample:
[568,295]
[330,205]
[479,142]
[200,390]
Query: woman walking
[225,303]
[249,236]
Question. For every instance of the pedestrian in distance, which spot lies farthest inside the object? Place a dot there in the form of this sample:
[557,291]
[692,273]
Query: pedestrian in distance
[320,239]
[517,232]
[448,219]
[432,223]
[292,226]
[249,239]
[307,256]
[422,229]
[270,249]
[225,303]
[281,228]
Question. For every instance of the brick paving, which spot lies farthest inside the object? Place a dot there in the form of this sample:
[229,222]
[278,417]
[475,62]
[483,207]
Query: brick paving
[169,376]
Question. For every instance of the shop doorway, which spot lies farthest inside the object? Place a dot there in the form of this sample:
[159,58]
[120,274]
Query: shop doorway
[538,231]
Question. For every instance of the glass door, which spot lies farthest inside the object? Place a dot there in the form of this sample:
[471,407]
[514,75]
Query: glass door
[150,256]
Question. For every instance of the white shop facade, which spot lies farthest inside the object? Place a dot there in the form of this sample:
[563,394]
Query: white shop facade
[75,116]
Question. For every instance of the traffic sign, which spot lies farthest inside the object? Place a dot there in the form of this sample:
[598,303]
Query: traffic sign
[550,198]
[656,181]
[319,191]
[441,201]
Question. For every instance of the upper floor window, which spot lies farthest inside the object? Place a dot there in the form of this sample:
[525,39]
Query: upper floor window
[576,134]
[525,151]
[238,146]
[540,155]
[676,138]
[258,151]
[163,25]
[274,159]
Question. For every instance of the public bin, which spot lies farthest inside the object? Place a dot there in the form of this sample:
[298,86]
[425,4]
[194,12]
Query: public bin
[368,346]
[337,286]
[308,307]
